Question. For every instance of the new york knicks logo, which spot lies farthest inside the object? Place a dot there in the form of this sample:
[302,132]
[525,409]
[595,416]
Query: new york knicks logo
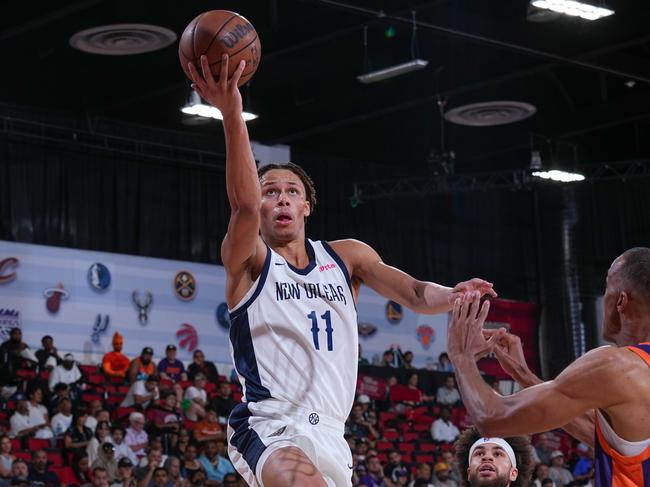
[426,335]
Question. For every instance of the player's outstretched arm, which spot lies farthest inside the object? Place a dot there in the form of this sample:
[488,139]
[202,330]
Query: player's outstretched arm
[242,183]
[420,296]
[510,354]
[579,388]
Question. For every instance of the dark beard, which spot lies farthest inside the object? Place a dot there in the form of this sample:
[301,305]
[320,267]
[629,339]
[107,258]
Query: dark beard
[500,481]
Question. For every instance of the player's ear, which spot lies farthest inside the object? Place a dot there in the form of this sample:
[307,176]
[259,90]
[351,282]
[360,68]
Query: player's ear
[622,301]
[514,473]
[307,208]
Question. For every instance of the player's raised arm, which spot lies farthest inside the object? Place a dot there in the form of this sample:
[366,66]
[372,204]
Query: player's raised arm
[242,183]
[540,407]
[420,296]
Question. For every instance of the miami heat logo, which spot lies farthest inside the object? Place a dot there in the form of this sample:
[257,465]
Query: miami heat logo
[426,335]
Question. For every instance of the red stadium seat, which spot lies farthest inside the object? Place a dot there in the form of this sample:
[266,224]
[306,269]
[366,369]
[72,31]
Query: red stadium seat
[55,458]
[65,474]
[36,444]
[26,375]
[87,397]
[410,436]
[24,455]
[426,447]
[383,458]
[384,445]
[390,435]
[424,458]
[16,444]
[236,396]
[406,447]
[114,399]
[88,369]
[122,413]
[400,393]
[407,458]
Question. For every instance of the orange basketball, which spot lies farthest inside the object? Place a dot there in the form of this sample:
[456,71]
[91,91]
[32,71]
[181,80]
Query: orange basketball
[216,32]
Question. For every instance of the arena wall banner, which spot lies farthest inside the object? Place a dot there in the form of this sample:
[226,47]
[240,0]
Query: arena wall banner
[82,297]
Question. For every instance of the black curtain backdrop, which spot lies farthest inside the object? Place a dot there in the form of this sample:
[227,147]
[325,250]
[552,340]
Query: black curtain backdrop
[64,194]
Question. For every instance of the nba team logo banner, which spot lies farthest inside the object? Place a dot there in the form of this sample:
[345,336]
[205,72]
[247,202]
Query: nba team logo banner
[185,285]
[426,335]
[9,318]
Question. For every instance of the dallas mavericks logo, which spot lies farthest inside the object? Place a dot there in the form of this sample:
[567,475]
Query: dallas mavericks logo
[9,318]
[99,277]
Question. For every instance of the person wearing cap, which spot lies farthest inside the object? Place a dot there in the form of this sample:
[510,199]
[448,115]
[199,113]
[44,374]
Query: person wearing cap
[106,460]
[170,368]
[115,363]
[503,462]
[142,366]
[558,472]
[442,476]
[142,393]
[67,373]
[125,476]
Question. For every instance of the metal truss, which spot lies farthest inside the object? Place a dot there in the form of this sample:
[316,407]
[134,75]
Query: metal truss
[516,180]
[19,128]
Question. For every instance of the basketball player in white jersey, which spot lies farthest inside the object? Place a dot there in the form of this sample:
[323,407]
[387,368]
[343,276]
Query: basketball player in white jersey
[293,317]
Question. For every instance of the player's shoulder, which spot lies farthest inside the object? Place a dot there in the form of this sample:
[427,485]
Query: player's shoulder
[350,247]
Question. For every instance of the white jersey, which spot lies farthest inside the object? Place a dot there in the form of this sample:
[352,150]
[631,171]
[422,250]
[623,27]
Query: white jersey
[294,335]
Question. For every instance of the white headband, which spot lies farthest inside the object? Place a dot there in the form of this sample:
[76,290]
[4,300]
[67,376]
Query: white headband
[496,441]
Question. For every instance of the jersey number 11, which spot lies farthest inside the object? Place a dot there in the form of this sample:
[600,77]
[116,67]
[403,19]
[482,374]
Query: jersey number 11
[328,329]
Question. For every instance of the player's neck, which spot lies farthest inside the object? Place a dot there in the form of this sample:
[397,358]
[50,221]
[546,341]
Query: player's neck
[631,335]
[294,252]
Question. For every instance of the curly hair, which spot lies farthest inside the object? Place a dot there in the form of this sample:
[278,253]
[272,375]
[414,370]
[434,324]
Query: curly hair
[520,445]
[308,183]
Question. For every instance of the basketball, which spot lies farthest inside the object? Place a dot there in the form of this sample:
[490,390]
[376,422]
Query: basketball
[214,33]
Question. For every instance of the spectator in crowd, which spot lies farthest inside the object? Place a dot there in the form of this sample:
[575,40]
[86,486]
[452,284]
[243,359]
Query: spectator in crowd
[356,424]
[197,397]
[558,472]
[547,483]
[190,464]
[6,457]
[170,368]
[199,479]
[222,402]
[66,373]
[102,434]
[412,384]
[407,360]
[122,450]
[209,428]
[81,469]
[583,469]
[365,401]
[545,446]
[362,360]
[444,364]
[447,394]
[395,466]
[142,366]
[230,480]
[136,437]
[374,476]
[78,436]
[153,460]
[62,420]
[115,363]
[61,391]
[442,476]
[37,411]
[100,477]
[24,424]
[387,359]
[38,472]
[106,460]
[450,459]
[125,476]
[94,408]
[173,467]
[19,469]
[142,393]
[48,356]
[199,364]
[372,423]
[541,474]
[182,443]
[442,429]
[160,479]
[166,418]
[11,359]
[422,475]
[215,465]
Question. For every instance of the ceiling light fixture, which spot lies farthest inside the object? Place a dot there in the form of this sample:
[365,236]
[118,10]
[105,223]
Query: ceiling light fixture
[573,8]
[195,106]
[559,176]
[414,64]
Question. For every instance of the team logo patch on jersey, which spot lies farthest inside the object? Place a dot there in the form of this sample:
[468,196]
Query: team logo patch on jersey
[313,418]
[394,312]
[223,317]
[99,277]
[54,296]
[426,335]
[6,265]
[185,285]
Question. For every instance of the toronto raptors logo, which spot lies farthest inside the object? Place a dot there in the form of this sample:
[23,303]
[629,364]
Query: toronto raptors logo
[313,418]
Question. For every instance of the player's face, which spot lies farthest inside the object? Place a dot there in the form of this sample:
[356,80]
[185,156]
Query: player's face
[611,318]
[284,206]
[490,467]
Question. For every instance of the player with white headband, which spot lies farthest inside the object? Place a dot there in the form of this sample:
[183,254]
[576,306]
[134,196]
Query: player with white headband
[494,462]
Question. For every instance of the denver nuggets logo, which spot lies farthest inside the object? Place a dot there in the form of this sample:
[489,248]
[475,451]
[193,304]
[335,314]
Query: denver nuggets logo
[185,285]
[394,312]
[426,335]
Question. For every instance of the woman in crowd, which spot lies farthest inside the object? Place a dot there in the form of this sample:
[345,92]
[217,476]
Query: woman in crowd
[81,470]
[102,434]
[6,457]
[190,464]
[78,436]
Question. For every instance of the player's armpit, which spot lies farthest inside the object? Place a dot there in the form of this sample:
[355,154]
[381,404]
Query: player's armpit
[587,384]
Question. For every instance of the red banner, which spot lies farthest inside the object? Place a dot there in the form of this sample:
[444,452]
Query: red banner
[374,387]
[519,318]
